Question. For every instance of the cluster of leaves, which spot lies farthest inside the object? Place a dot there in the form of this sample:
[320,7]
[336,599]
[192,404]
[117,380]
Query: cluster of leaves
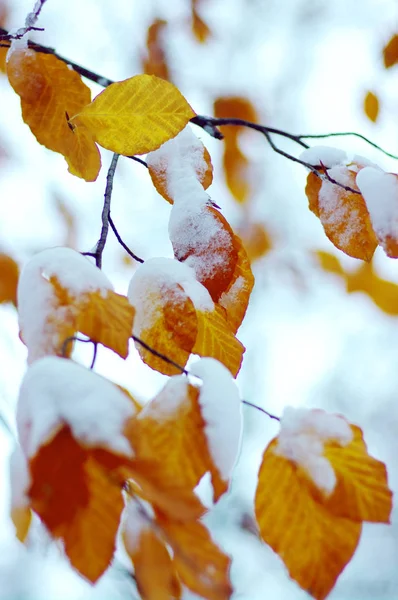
[92,460]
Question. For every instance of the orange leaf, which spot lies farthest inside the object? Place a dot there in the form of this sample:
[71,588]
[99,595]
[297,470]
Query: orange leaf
[193,156]
[9,273]
[156,62]
[107,319]
[256,240]
[3,56]
[170,433]
[390,52]
[329,262]
[199,562]
[215,339]
[382,292]
[314,544]
[50,92]
[343,214]
[21,517]
[199,28]
[237,107]
[236,297]
[153,566]
[361,492]
[371,106]
[78,501]
[204,239]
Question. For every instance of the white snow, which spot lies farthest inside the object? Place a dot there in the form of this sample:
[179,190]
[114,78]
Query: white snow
[134,523]
[221,410]
[18,43]
[19,479]
[57,392]
[302,437]
[39,309]
[380,191]
[156,280]
[164,406]
[325,155]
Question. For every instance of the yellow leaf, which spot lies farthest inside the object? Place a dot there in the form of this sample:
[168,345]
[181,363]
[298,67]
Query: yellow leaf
[236,297]
[383,293]
[361,492]
[107,319]
[3,56]
[329,262]
[78,501]
[314,544]
[136,115]
[371,106]
[215,339]
[50,92]
[9,274]
[21,517]
[390,52]
[153,566]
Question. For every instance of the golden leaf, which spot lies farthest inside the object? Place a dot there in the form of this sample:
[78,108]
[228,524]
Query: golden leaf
[21,517]
[390,52]
[371,106]
[107,319]
[314,544]
[361,492]
[136,115]
[49,93]
[215,339]
[236,297]
[383,293]
[78,501]
[199,562]
[3,56]
[9,273]
[199,28]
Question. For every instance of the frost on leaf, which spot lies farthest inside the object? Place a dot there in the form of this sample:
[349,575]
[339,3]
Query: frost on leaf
[380,191]
[59,293]
[136,115]
[184,432]
[70,425]
[50,92]
[343,213]
[316,486]
[183,156]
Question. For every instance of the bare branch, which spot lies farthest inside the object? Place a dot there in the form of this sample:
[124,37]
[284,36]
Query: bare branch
[159,355]
[344,134]
[105,211]
[270,415]
[119,239]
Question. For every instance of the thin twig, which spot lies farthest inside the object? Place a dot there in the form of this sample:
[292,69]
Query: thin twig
[270,415]
[71,339]
[139,160]
[105,211]
[121,242]
[347,133]
[159,355]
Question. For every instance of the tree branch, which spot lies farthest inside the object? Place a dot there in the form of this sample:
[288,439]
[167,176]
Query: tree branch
[119,239]
[105,211]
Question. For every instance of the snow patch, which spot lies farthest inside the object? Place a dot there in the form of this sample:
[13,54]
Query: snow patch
[164,406]
[19,479]
[324,155]
[57,392]
[302,437]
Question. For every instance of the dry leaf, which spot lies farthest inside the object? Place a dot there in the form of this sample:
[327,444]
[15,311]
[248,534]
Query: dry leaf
[136,115]
[314,544]
[50,92]
[371,106]
[390,52]
[9,273]
[156,62]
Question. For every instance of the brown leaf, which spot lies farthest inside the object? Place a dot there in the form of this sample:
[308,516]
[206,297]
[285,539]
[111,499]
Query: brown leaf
[371,106]
[390,52]
[9,273]
[155,62]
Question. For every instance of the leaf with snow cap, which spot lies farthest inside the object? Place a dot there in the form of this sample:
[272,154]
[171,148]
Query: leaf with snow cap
[343,213]
[59,293]
[136,115]
[21,513]
[183,433]
[314,544]
[380,191]
[183,155]
[149,555]
[70,424]
[49,92]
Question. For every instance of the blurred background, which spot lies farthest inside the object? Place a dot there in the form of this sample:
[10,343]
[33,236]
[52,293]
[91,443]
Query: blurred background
[321,329]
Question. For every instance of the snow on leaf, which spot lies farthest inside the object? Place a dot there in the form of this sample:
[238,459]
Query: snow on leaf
[324,156]
[216,340]
[57,391]
[343,214]
[59,293]
[183,156]
[50,92]
[314,544]
[136,115]
[220,407]
[149,555]
[380,191]
[21,513]
[235,298]
[361,492]
[203,239]
[78,500]
[199,562]
[165,295]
